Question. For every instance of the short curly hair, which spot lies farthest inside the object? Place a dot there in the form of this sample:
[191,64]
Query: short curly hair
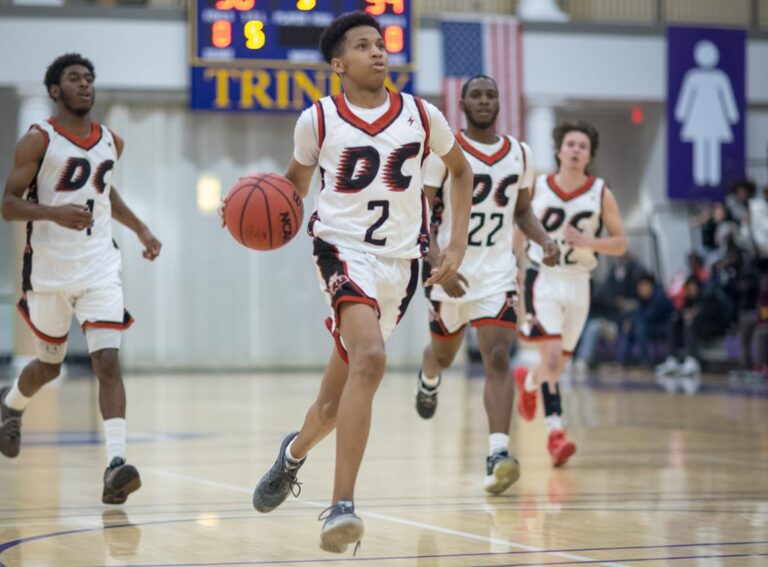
[333,36]
[56,69]
[465,86]
[559,133]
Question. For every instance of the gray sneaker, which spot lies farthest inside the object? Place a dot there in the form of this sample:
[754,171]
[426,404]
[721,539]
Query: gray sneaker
[502,471]
[279,481]
[426,398]
[10,427]
[341,527]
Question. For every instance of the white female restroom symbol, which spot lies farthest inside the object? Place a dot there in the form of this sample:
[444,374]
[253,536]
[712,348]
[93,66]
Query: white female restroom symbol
[707,109]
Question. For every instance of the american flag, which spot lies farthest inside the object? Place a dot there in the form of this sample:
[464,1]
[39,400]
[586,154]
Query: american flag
[484,46]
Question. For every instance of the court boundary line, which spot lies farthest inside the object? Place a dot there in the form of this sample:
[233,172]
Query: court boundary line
[396,520]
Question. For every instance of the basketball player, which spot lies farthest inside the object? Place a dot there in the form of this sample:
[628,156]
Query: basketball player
[573,206]
[71,264]
[369,228]
[484,291]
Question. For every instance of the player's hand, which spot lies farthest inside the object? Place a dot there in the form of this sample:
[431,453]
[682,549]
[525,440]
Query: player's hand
[151,244]
[551,253]
[447,265]
[574,237]
[76,217]
[456,286]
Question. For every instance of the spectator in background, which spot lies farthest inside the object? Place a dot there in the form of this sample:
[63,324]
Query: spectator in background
[703,316]
[754,333]
[758,224]
[708,221]
[695,267]
[612,299]
[738,199]
[648,322]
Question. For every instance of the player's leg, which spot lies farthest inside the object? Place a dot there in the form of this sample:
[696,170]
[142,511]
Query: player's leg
[575,313]
[102,314]
[49,316]
[281,480]
[363,339]
[446,327]
[542,327]
[495,342]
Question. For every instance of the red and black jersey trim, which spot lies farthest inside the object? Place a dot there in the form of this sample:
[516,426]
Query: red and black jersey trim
[23,308]
[565,196]
[117,325]
[424,117]
[410,289]
[492,159]
[320,123]
[437,327]
[87,143]
[377,127]
[45,136]
[26,266]
[535,332]
[506,317]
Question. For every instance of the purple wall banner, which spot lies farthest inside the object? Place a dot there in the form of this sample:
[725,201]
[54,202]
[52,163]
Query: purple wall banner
[706,111]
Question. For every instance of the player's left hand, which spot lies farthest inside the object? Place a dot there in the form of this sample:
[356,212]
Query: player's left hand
[447,265]
[551,253]
[151,244]
[574,237]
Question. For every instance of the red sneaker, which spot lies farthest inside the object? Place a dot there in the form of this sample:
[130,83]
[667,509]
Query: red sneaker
[560,448]
[526,405]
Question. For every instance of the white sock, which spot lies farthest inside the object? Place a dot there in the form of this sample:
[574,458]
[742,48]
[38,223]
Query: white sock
[430,382]
[530,382]
[554,423]
[497,442]
[14,399]
[114,435]
[289,455]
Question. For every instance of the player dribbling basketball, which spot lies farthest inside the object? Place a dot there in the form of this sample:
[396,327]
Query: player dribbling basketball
[369,228]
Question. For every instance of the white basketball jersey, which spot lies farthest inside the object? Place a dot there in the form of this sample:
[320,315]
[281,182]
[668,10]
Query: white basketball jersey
[500,170]
[73,171]
[371,196]
[556,209]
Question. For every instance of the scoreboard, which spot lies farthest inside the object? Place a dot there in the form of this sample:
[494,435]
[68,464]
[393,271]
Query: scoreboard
[273,46]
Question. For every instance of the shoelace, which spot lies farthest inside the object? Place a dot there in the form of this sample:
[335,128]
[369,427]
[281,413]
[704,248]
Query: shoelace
[12,427]
[288,475]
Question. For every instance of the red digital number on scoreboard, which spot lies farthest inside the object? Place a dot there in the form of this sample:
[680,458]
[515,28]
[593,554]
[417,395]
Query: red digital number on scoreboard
[378,7]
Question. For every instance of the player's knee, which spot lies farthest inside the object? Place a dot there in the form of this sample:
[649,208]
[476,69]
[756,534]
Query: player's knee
[497,358]
[369,360]
[106,364]
[552,361]
[444,359]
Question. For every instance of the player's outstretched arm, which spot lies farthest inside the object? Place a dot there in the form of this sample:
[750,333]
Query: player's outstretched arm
[529,225]
[461,204]
[125,216]
[615,244]
[26,162]
[301,176]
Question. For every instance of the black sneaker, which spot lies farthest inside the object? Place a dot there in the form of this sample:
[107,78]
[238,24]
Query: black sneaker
[341,527]
[426,397]
[502,471]
[10,427]
[279,481]
[120,479]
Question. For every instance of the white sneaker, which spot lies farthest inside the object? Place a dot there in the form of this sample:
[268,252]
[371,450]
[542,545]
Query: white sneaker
[668,367]
[690,367]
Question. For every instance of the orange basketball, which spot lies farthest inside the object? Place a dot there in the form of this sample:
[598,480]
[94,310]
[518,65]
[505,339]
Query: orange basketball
[263,211]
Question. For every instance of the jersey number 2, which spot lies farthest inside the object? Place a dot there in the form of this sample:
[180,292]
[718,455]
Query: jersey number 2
[372,205]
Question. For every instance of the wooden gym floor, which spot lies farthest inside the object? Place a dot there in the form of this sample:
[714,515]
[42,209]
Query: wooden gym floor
[658,479]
